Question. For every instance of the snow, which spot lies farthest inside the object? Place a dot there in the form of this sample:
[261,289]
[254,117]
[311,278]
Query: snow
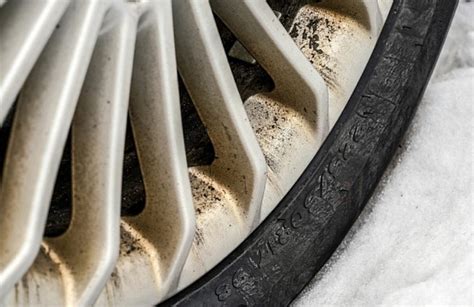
[413,244]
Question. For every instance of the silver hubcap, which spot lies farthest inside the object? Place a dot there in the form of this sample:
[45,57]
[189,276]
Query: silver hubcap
[86,64]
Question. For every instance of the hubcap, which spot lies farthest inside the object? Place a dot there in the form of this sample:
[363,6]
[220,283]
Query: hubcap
[82,65]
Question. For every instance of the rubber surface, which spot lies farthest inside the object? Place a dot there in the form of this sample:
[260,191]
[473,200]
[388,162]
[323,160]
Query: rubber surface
[283,254]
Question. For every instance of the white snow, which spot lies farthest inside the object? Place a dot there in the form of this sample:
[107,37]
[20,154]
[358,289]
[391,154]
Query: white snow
[413,244]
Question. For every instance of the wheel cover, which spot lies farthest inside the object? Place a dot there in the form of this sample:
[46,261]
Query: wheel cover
[104,52]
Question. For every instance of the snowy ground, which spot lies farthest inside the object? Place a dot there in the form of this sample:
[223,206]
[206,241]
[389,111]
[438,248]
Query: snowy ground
[413,244]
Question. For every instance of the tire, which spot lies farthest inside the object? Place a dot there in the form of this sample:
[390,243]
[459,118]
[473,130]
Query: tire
[283,254]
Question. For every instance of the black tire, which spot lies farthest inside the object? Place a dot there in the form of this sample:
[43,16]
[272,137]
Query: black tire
[283,254]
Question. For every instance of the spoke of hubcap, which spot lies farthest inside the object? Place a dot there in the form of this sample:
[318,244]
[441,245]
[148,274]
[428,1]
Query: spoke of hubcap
[98,135]
[25,27]
[39,132]
[232,186]
[159,238]
[331,34]
[300,95]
